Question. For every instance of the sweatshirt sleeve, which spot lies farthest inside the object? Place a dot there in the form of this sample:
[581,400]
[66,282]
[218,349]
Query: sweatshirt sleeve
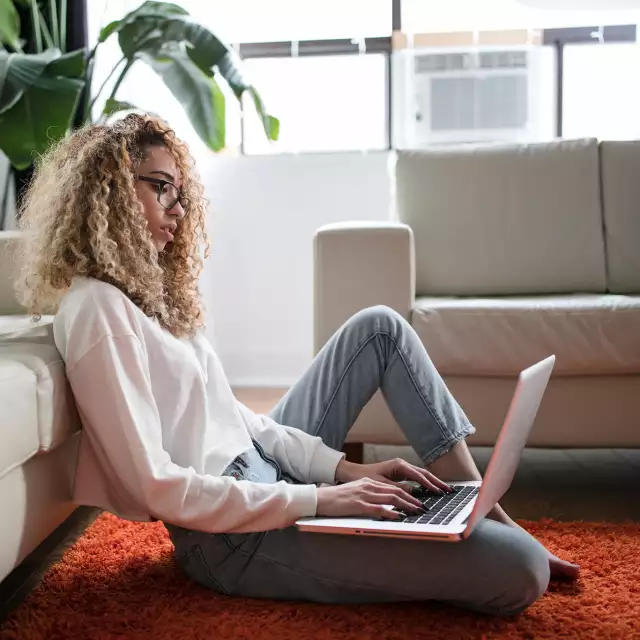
[301,455]
[113,393]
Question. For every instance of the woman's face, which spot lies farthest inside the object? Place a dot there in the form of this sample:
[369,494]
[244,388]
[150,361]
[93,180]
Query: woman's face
[163,222]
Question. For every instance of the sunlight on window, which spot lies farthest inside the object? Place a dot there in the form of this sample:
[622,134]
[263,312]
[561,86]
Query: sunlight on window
[340,102]
[601,91]
[325,103]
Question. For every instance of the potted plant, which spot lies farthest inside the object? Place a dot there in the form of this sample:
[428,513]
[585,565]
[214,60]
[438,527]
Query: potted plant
[43,94]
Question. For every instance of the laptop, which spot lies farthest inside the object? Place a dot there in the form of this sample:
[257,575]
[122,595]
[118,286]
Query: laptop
[454,516]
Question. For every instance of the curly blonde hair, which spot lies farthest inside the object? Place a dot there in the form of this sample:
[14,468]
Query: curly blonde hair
[81,217]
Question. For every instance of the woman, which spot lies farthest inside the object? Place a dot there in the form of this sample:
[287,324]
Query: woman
[114,218]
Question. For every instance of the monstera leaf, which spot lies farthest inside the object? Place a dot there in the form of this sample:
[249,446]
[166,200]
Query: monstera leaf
[200,95]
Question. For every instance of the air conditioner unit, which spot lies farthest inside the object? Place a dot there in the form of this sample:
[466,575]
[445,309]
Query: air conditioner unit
[472,94]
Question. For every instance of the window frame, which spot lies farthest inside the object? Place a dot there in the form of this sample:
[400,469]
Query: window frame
[329,47]
[557,38]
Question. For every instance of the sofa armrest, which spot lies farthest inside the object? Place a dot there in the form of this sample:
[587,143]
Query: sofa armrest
[359,265]
[9,304]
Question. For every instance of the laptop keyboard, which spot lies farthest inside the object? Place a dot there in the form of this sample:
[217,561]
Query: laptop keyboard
[441,509]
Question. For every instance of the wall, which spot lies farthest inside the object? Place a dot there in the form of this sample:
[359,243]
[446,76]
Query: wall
[257,284]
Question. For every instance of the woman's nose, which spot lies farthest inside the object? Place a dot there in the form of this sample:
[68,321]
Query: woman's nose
[177,210]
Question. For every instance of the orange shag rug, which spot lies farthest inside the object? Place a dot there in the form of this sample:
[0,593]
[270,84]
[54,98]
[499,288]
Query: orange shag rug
[119,581]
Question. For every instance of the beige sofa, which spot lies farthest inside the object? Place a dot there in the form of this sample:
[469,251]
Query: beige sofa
[37,427]
[500,256]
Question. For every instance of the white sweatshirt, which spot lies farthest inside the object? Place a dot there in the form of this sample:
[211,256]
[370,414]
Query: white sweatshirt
[160,424]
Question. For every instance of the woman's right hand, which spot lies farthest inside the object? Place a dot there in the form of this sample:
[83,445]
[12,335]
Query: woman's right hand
[365,497]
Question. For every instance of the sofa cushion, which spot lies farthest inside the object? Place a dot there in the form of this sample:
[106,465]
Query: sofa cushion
[502,220]
[621,197]
[31,348]
[19,424]
[589,334]
[13,326]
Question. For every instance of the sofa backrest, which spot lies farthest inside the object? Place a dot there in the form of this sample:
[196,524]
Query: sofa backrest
[499,220]
[9,304]
[620,166]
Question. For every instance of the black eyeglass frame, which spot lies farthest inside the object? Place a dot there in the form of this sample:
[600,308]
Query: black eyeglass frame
[182,199]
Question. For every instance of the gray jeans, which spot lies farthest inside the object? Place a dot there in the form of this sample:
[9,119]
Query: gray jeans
[498,569]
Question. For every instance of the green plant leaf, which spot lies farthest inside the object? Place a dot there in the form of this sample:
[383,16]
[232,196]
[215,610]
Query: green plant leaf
[140,35]
[147,10]
[38,98]
[9,23]
[25,68]
[202,47]
[200,95]
[9,92]
[209,54]
[270,124]
[70,65]
[19,71]
[112,27]
[198,60]
[166,37]
[40,117]
[112,106]
[230,69]
[208,49]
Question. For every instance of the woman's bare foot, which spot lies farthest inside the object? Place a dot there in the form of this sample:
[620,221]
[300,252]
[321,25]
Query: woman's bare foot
[458,464]
[559,568]
[562,568]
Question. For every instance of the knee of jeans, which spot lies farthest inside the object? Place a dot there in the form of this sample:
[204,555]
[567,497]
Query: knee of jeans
[528,577]
[378,317]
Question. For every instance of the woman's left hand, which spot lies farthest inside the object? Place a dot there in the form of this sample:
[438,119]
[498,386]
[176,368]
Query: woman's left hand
[390,472]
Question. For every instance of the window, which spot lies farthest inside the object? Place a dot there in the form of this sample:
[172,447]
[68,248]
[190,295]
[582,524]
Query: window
[324,103]
[588,84]
[601,91]
[325,100]
[326,86]
[327,71]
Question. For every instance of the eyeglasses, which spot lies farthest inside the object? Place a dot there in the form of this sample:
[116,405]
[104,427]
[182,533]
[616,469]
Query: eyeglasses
[168,194]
